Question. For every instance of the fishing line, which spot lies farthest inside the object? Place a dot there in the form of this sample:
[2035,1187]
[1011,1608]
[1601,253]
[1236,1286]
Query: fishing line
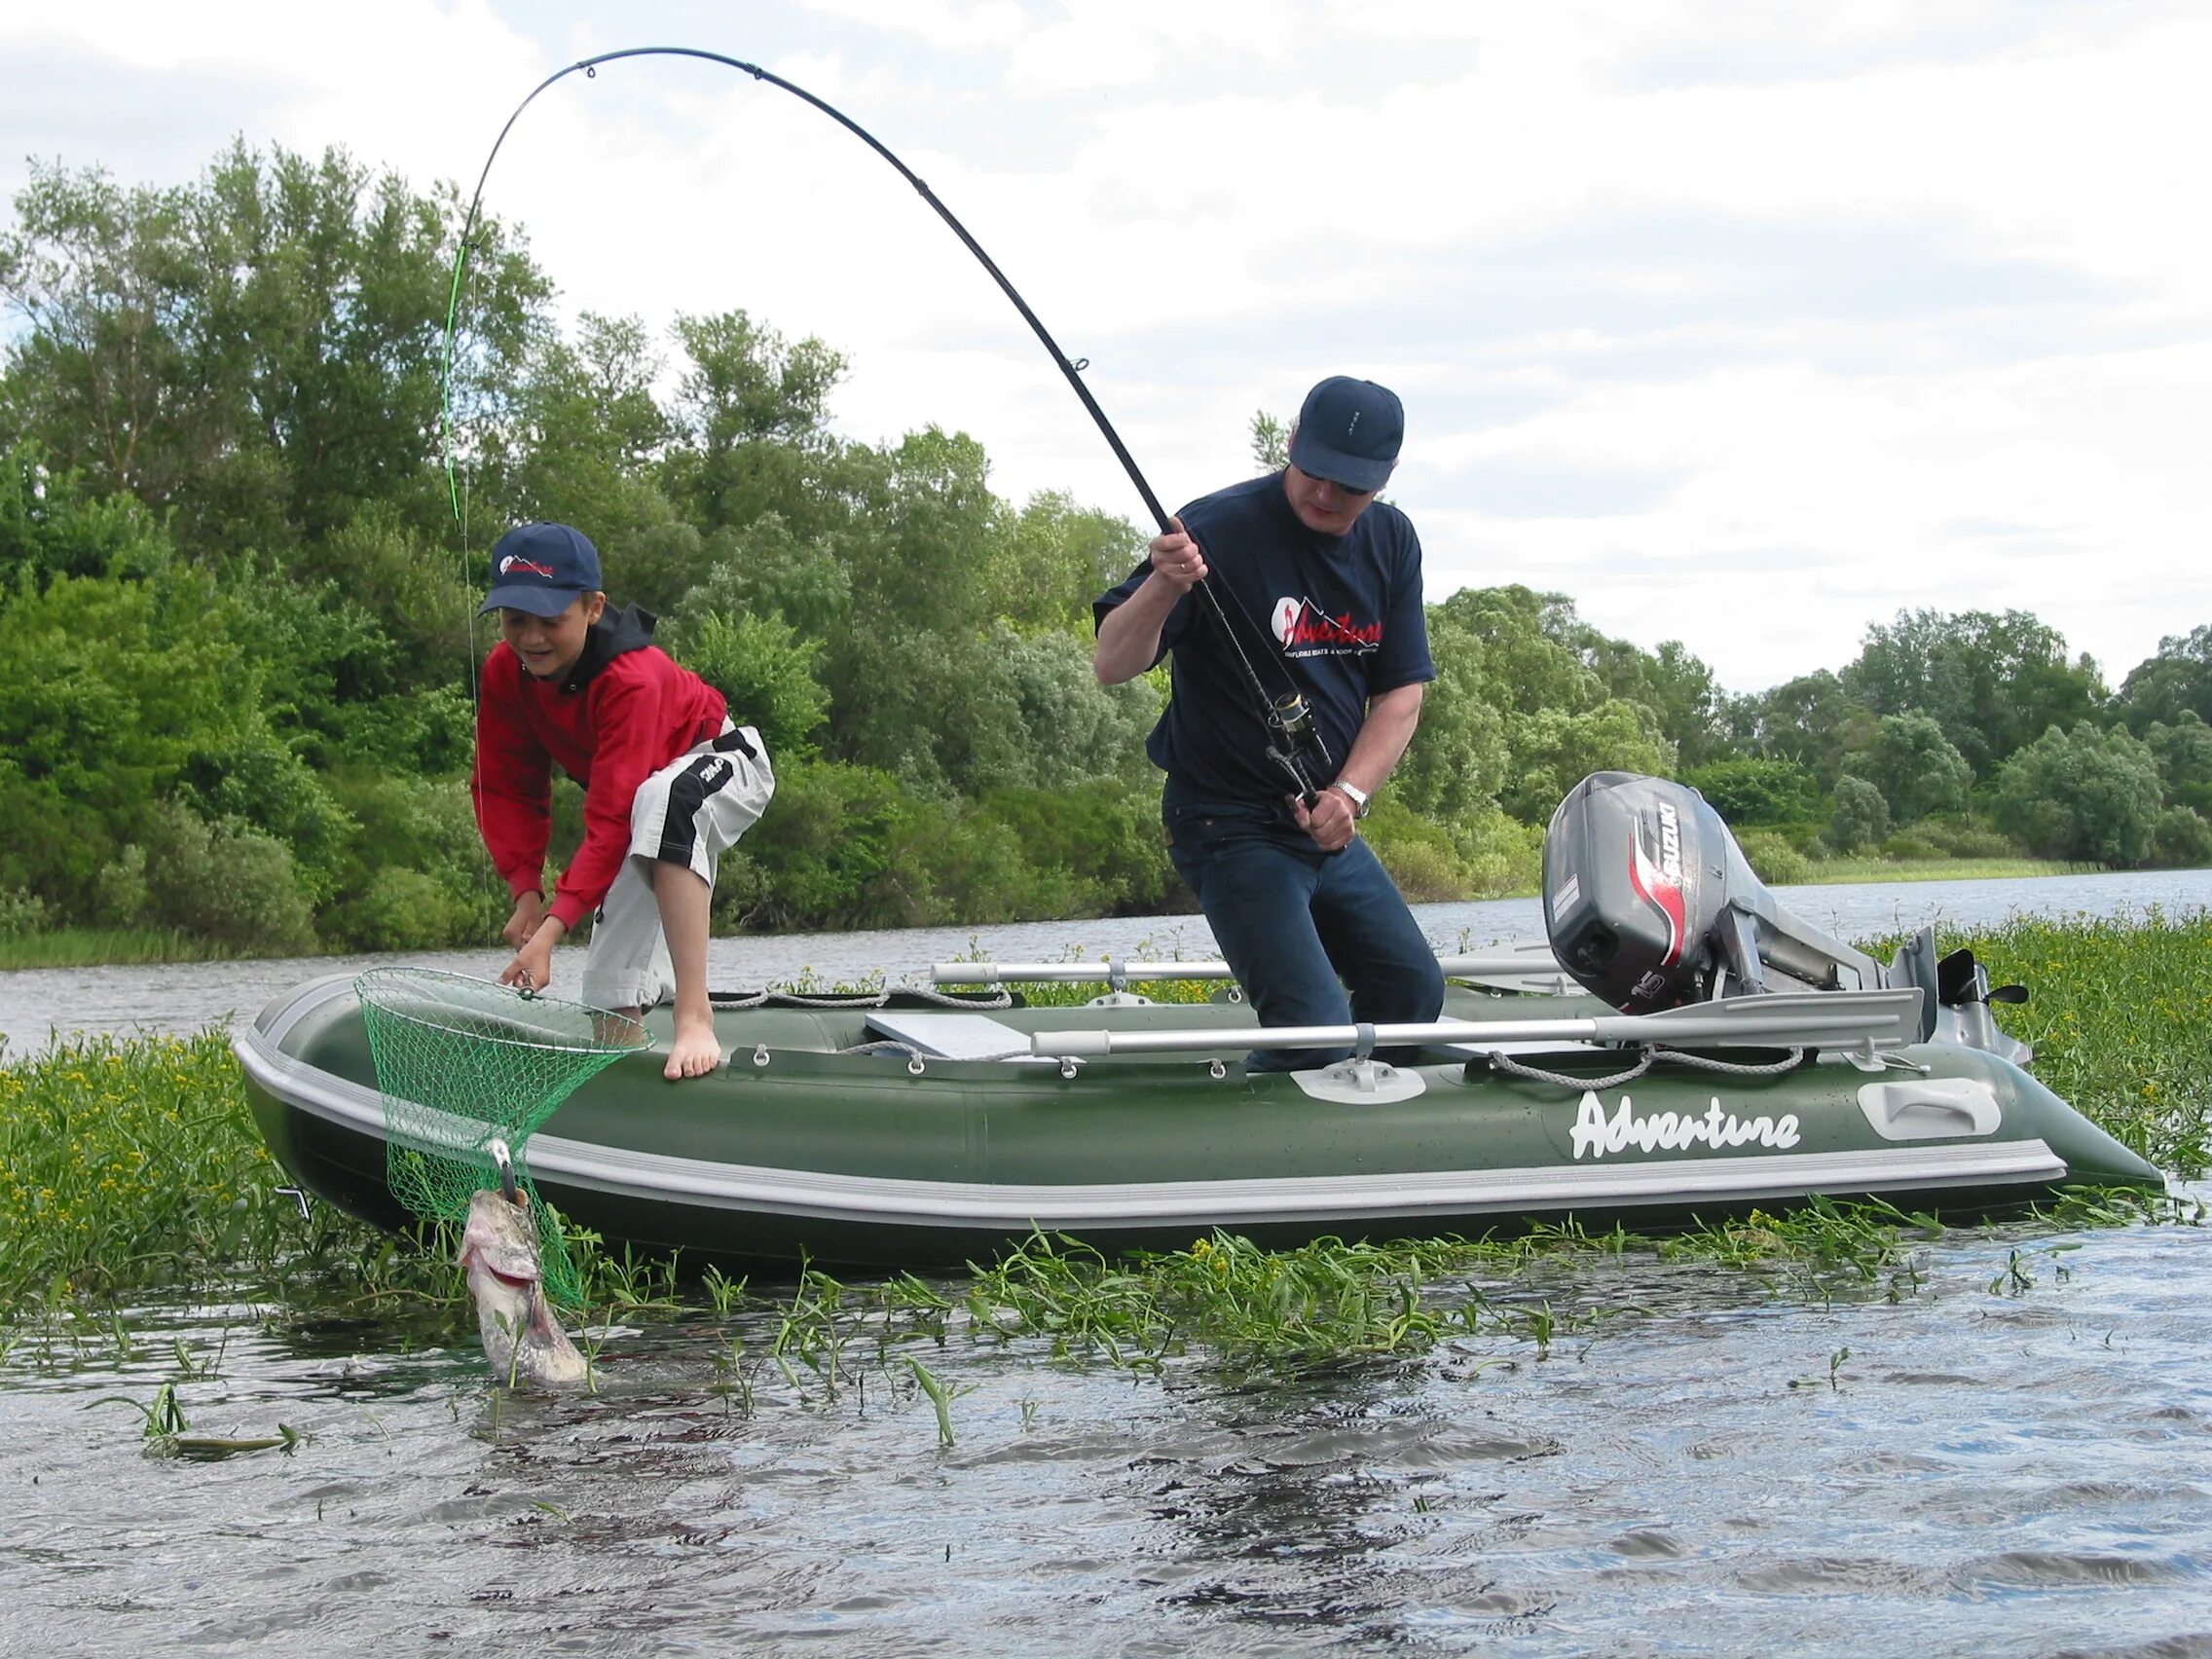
[1286,717]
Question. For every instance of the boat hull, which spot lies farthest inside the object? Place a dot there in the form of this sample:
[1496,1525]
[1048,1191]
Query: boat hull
[795,1152]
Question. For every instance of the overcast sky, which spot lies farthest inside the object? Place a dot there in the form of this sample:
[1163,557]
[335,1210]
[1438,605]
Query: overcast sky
[1741,325]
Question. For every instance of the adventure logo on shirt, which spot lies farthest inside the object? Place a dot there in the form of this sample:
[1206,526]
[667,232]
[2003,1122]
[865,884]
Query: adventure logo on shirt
[1306,631]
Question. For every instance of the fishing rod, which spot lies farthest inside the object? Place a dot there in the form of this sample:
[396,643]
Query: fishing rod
[1286,717]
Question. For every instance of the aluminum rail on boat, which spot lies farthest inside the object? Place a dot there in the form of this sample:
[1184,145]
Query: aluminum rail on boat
[999,973]
[1863,1020]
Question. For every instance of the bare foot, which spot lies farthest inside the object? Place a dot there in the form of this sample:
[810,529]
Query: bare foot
[693,1053]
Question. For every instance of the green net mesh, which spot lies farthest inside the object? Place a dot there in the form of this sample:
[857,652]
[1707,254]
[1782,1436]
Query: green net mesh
[461,1062]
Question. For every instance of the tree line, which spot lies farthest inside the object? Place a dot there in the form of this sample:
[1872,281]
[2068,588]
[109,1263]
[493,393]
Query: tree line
[239,699]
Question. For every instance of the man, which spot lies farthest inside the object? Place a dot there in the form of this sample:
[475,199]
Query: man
[1297,900]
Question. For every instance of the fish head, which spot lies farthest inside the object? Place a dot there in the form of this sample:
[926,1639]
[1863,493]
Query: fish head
[506,1277]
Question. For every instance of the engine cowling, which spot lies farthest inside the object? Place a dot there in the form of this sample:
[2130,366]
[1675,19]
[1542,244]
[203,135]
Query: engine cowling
[1650,903]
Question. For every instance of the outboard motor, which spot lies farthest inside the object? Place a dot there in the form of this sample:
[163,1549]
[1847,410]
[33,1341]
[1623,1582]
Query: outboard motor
[1649,903]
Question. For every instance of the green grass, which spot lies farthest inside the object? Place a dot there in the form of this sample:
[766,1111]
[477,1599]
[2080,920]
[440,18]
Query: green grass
[1829,872]
[100,947]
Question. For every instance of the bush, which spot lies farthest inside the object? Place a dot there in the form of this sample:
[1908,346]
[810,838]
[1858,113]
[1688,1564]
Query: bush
[1861,815]
[419,828]
[1497,853]
[1417,853]
[1963,837]
[1754,792]
[407,910]
[1773,859]
[20,912]
[227,884]
[119,892]
[1908,849]
[1105,832]
[2180,839]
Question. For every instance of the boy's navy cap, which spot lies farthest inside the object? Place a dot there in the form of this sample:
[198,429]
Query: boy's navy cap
[540,568]
[1348,432]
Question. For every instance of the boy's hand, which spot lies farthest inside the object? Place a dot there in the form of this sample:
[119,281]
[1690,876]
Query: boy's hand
[533,966]
[530,910]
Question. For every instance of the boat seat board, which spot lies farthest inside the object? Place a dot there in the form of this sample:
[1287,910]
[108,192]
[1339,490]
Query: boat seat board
[951,1035]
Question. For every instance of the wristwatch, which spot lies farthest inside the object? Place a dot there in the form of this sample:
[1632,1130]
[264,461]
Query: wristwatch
[1352,792]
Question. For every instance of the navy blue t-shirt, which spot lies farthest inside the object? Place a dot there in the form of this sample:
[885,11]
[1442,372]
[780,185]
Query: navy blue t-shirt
[1339,615]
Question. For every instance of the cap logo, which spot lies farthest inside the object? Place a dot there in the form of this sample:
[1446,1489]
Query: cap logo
[514,562]
[1355,427]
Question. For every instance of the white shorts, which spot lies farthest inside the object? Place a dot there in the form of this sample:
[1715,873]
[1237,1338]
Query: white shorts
[685,814]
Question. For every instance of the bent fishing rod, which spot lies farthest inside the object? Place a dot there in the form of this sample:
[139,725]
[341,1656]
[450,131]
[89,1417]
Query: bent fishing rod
[1286,715]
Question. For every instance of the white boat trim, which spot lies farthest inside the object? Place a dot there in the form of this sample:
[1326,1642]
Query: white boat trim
[1334,1199]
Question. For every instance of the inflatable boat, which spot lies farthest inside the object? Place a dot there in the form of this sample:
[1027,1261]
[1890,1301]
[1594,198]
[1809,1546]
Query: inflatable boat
[1676,1046]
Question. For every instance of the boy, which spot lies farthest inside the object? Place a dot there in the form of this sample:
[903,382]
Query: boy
[669,781]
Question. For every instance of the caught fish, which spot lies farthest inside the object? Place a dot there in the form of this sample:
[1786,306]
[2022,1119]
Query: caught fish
[522,1338]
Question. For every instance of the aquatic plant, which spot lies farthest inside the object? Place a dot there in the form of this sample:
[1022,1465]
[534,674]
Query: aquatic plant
[2120,1013]
[129,1163]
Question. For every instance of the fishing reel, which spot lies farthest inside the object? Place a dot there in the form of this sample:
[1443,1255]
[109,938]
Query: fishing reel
[1296,744]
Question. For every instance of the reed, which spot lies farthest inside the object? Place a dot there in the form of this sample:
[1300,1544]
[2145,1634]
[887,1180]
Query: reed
[94,947]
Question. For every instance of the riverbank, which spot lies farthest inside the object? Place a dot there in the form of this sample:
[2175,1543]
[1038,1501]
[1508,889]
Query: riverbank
[112,948]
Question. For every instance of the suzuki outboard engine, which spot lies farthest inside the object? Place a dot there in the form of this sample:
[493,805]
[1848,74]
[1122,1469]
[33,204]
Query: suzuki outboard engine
[1649,903]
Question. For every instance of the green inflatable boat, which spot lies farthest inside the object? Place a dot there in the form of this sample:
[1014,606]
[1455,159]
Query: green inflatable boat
[1678,1047]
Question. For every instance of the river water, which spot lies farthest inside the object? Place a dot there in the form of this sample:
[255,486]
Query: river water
[2007,1451]
[38,1004]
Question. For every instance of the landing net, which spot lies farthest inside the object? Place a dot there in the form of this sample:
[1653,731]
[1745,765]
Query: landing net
[461,1062]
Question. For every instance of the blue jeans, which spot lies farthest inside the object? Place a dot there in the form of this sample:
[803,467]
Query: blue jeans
[1299,926]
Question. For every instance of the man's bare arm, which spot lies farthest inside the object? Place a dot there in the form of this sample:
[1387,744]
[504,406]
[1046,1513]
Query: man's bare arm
[1128,639]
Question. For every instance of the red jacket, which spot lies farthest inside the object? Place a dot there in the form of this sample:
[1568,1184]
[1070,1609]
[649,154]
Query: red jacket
[625,711]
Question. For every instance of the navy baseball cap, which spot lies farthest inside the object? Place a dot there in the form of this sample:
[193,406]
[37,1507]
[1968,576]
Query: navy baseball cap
[541,569]
[1348,432]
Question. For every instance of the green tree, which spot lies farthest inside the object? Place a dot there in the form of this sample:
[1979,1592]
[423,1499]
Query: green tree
[1861,817]
[1752,791]
[2180,839]
[751,411]
[2083,794]
[765,670]
[1915,767]
[2184,752]
[765,569]
[1053,559]
[1457,761]
[260,351]
[1812,719]
[1554,751]
[2178,679]
[51,524]
[1270,442]
[1990,682]
[584,444]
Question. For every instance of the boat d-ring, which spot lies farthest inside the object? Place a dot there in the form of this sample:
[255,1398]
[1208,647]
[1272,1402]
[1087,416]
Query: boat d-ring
[760,1054]
[914,1066]
[1216,1069]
